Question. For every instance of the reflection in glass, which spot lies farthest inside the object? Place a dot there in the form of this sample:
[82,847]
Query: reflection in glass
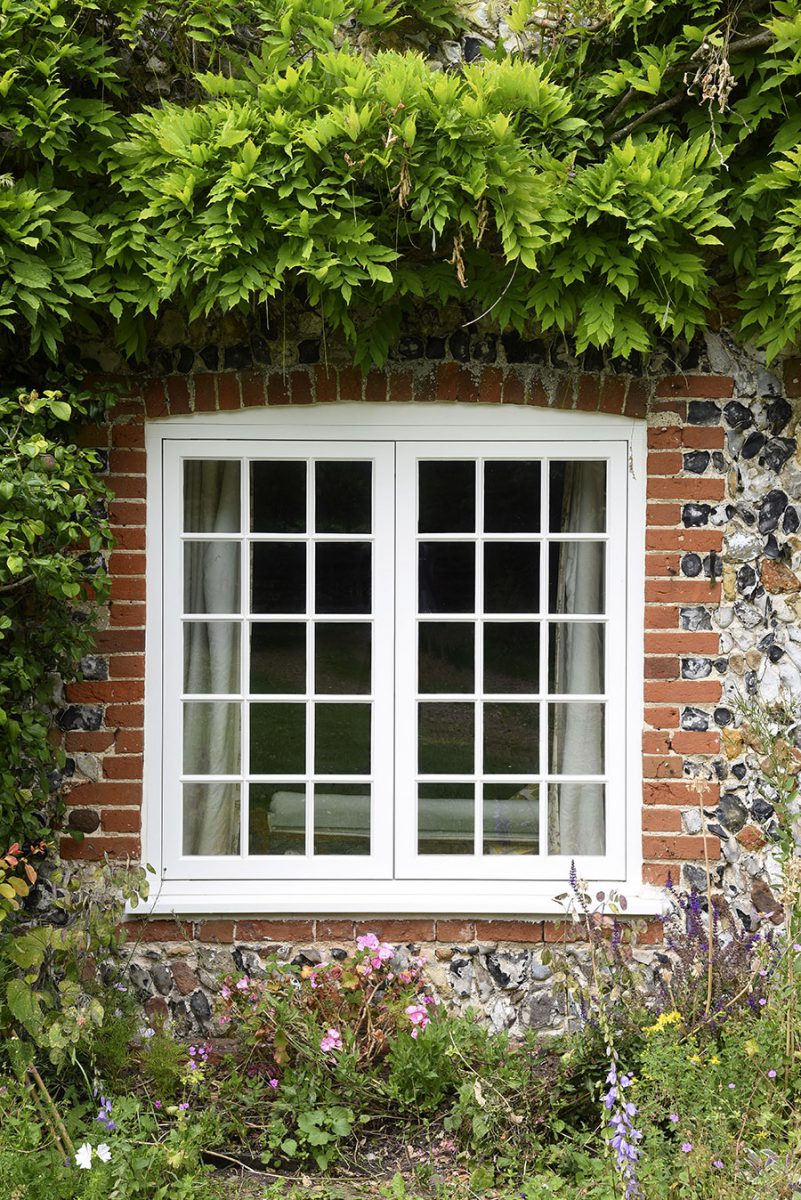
[277,739]
[511,577]
[511,738]
[446,656]
[577,497]
[576,658]
[211,737]
[445,743]
[277,656]
[343,577]
[576,733]
[278,577]
[278,496]
[512,497]
[576,583]
[211,818]
[342,657]
[342,818]
[511,656]
[211,495]
[343,497]
[211,657]
[576,818]
[277,818]
[511,818]
[445,818]
[447,577]
[342,739]
[447,497]
[211,577]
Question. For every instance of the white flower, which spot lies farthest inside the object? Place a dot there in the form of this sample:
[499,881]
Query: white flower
[103,1152]
[83,1157]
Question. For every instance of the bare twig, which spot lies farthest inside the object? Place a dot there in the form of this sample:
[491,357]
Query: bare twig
[672,102]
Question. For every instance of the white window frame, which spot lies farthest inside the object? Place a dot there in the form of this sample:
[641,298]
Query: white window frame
[444,884]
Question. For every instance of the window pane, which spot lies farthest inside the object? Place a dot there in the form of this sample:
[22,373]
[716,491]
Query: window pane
[511,738]
[511,818]
[577,577]
[211,818]
[211,656]
[342,739]
[212,496]
[446,738]
[446,656]
[576,658]
[342,818]
[343,497]
[577,497]
[278,656]
[277,818]
[211,577]
[447,497]
[512,497]
[277,739]
[576,734]
[343,577]
[511,656]
[512,577]
[576,818]
[278,496]
[343,652]
[278,577]
[447,577]
[211,737]
[445,818]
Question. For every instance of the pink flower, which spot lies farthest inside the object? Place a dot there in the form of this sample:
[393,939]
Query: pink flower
[225,992]
[367,941]
[418,1016]
[331,1041]
[273,1083]
[242,985]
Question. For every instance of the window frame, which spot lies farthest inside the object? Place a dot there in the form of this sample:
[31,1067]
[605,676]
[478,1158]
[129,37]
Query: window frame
[446,887]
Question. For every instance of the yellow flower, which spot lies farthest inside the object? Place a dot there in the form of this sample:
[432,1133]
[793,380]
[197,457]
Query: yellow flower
[714,1060]
[694,1058]
[663,1021]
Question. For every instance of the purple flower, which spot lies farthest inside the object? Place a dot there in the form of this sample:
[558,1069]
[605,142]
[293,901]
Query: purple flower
[686,1147]
[718,1164]
[674,1117]
[771,1074]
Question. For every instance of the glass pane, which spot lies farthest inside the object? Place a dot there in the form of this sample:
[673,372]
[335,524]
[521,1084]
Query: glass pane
[211,656]
[576,818]
[342,739]
[211,737]
[447,577]
[445,818]
[212,496]
[277,739]
[278,497]
[576,733]
[277,818]
[577,497]
[278,656]
[511,818]
[511,738]
[211,818]
[446,738]
[512,497]
[447,497]
[211,577]
[576,658]
[446,656]
[512,577]
[343,497]
[343,581]
[511,656]
[342,818]
[278,577]
[342,658]
[577,577]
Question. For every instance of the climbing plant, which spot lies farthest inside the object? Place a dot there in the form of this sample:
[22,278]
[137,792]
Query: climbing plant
[623,170]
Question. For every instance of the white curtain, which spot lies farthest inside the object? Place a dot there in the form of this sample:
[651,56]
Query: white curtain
[211,658]
[577,826]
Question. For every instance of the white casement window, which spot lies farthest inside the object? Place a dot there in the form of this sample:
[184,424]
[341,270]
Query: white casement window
[394,658]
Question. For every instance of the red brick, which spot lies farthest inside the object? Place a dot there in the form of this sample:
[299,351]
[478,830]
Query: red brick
[684,691]
[664,437]
[682,642]
[178,394]
[123,766]
[537,396]
[126,666]
[681,793]
[694,489]
[703,437]
[652,935]
[637,399]
[564,931]
[702,387]
[513,389]
[124,562]
[613,394]
[662,766]
[131,716]
[111,641]
[128,487]
[90,741]
[665,462]
[124,587]
[158,930]
[277,388]
[300,383]
[661,820]
[490,387]
[350,384]
[661,616]
[684,539]
[403,929]
[214,931]
[375,386]
[130,741]
[126,615]
[589,393]
[690,742]
[679,846]
[102,794]
[274,931]
[792,377]
[661,566]
[657,874]
[121,820]
[565,393]
[752,838]
[205,392]
[228,391]
[655,741]
[126,512]
[456,931]
[425,387]
[155,398]
[252,384]
[662,716]
[334,931]
[455,384]
[662,514]
[509,931]
[101,691]
[661,667]
[129,537]
[325,385]
[92,849]
[401,387]
[681,591]
[130,436]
